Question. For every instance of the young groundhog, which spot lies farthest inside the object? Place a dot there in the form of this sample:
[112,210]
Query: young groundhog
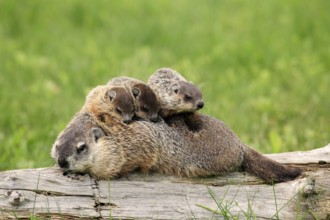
[145,100]
[114,100]
[213,150]
[177,96]
[174,93]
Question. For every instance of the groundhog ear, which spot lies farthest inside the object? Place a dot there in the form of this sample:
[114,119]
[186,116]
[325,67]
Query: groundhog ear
[111,94]
[136,92]
[175,87]
[97,133]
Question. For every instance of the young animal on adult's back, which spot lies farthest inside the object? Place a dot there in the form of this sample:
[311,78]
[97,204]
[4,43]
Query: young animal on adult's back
[176,150]
[145,100]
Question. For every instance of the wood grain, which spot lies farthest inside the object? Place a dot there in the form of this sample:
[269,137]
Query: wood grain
[47,193]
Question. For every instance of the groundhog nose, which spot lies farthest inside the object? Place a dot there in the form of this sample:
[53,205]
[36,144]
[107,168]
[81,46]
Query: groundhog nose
[200,104]
[126,121]
[155,119]
[63,163]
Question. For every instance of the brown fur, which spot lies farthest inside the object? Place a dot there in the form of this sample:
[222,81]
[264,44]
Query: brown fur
[113,100]
[215,135]
[212,150]
[145,100]
[174,93]
[106,153]
[267,169]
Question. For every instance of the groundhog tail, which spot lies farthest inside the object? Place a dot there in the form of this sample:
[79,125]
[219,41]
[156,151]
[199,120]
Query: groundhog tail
[267,169]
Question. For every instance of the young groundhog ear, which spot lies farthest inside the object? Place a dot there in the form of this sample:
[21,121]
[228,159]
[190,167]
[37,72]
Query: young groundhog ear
[111,94]
[98,133]
[136,92]
[175,87]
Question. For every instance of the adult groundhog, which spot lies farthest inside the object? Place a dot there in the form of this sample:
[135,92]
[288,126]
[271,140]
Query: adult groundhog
[213,150]
[115,100]
[84,146]
[145,100]
[174,93]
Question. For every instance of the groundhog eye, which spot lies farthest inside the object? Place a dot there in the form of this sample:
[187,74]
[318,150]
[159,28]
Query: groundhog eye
[145,109]
[187,97]
[81,148]
[118,110]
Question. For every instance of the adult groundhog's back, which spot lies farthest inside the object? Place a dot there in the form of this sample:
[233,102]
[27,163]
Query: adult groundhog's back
[213,146]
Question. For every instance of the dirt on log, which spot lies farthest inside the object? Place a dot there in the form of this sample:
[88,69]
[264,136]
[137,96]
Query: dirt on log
[47,193]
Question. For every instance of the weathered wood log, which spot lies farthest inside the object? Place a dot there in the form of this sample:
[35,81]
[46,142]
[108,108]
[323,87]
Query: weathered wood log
[47,193]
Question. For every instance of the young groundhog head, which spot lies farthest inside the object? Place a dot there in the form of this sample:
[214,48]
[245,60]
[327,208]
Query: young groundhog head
[114,101]
[175,94]
[183,97]
[147,103]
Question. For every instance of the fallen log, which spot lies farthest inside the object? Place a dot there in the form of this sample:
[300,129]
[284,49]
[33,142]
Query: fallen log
[47,193]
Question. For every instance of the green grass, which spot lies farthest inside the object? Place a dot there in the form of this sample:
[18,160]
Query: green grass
[263,66]
[225,204]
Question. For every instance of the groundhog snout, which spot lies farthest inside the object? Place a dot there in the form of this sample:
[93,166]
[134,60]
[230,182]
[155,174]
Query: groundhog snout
[63,163]
[155,118]
[127,120]
[200,104]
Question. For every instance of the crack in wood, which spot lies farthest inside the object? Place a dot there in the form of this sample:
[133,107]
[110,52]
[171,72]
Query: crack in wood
[168,197]
[44,192]
[96,194]
[39,192]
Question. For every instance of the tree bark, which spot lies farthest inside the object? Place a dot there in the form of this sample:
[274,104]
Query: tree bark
[47,193]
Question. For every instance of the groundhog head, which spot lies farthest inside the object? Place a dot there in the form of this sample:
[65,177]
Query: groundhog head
[147,103]
[71,149]
[86,147]
[115,101]
[185,97]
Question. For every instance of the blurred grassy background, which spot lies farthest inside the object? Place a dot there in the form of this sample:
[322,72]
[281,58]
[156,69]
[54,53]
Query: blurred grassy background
[263,66]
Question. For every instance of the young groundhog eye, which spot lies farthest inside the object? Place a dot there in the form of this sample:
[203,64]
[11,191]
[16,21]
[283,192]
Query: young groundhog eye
[118,110]
[145,109]
[81,147]
[187,97]
[175,87]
